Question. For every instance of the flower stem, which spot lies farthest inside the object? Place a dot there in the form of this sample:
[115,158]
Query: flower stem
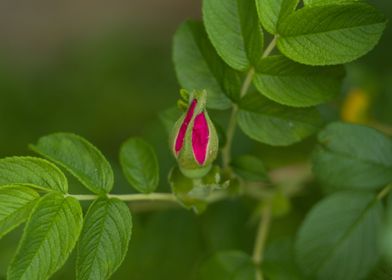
[226,151]
[261,237]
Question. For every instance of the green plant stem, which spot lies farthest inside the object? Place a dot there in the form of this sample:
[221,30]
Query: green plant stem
[384,192]
[226,151]
[162,197]
[270,47]
[261,237]
[130,197]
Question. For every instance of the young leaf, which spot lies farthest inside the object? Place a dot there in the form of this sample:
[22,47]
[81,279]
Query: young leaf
[140,165]
[330,34]
[353,157]
[249,168]
[293,84]
[274,124]
[234,30]
[271,11]
[198,66]
[339,237]
[16,203]
[228,265]
[79,157]
[49,237]
[104,240]
[34,172]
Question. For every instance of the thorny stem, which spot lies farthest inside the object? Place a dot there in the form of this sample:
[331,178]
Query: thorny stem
[261,237]
[226,151]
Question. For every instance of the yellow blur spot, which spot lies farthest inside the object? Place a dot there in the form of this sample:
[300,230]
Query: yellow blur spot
[356,106]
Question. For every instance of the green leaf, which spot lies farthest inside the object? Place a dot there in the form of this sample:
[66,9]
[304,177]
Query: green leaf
[49,237]
[353,157]
[386,238]
[198,66]
[16,203]
[140,165]
[104,240]
[274,124]
[328,2]
[235,31]
[271,11]
[79,157]
[339,237]
[249,168]
[225,265]
[330,34]
[34,172]
[293,84]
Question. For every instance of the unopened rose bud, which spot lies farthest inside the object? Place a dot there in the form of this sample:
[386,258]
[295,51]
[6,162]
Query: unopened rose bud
[194,139]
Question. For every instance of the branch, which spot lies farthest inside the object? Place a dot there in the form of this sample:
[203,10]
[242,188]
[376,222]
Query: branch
[226,151]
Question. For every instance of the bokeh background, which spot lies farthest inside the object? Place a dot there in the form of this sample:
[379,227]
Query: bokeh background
[103,69]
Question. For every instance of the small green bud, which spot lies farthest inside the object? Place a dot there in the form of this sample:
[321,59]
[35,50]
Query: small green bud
[194,140]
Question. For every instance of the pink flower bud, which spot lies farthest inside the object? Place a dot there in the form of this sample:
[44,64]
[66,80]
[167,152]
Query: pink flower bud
[194,138]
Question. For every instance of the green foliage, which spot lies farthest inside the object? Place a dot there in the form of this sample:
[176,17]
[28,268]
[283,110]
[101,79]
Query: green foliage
[199,67]
[353,157]
[104,239]
[338,239]
[34,172]
[272,11]
[224,265]
[50,235]
[16,203]
[249,168]
[226,57]
[274,124]
[330,34]
[293,84]
[235,31]
[280,253]
[80,158]
[140,165]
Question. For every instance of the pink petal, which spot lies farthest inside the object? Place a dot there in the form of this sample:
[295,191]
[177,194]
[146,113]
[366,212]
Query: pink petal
[200,137]
[184,126]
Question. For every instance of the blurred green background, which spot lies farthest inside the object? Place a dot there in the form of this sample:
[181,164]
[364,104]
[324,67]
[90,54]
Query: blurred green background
[103,69]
